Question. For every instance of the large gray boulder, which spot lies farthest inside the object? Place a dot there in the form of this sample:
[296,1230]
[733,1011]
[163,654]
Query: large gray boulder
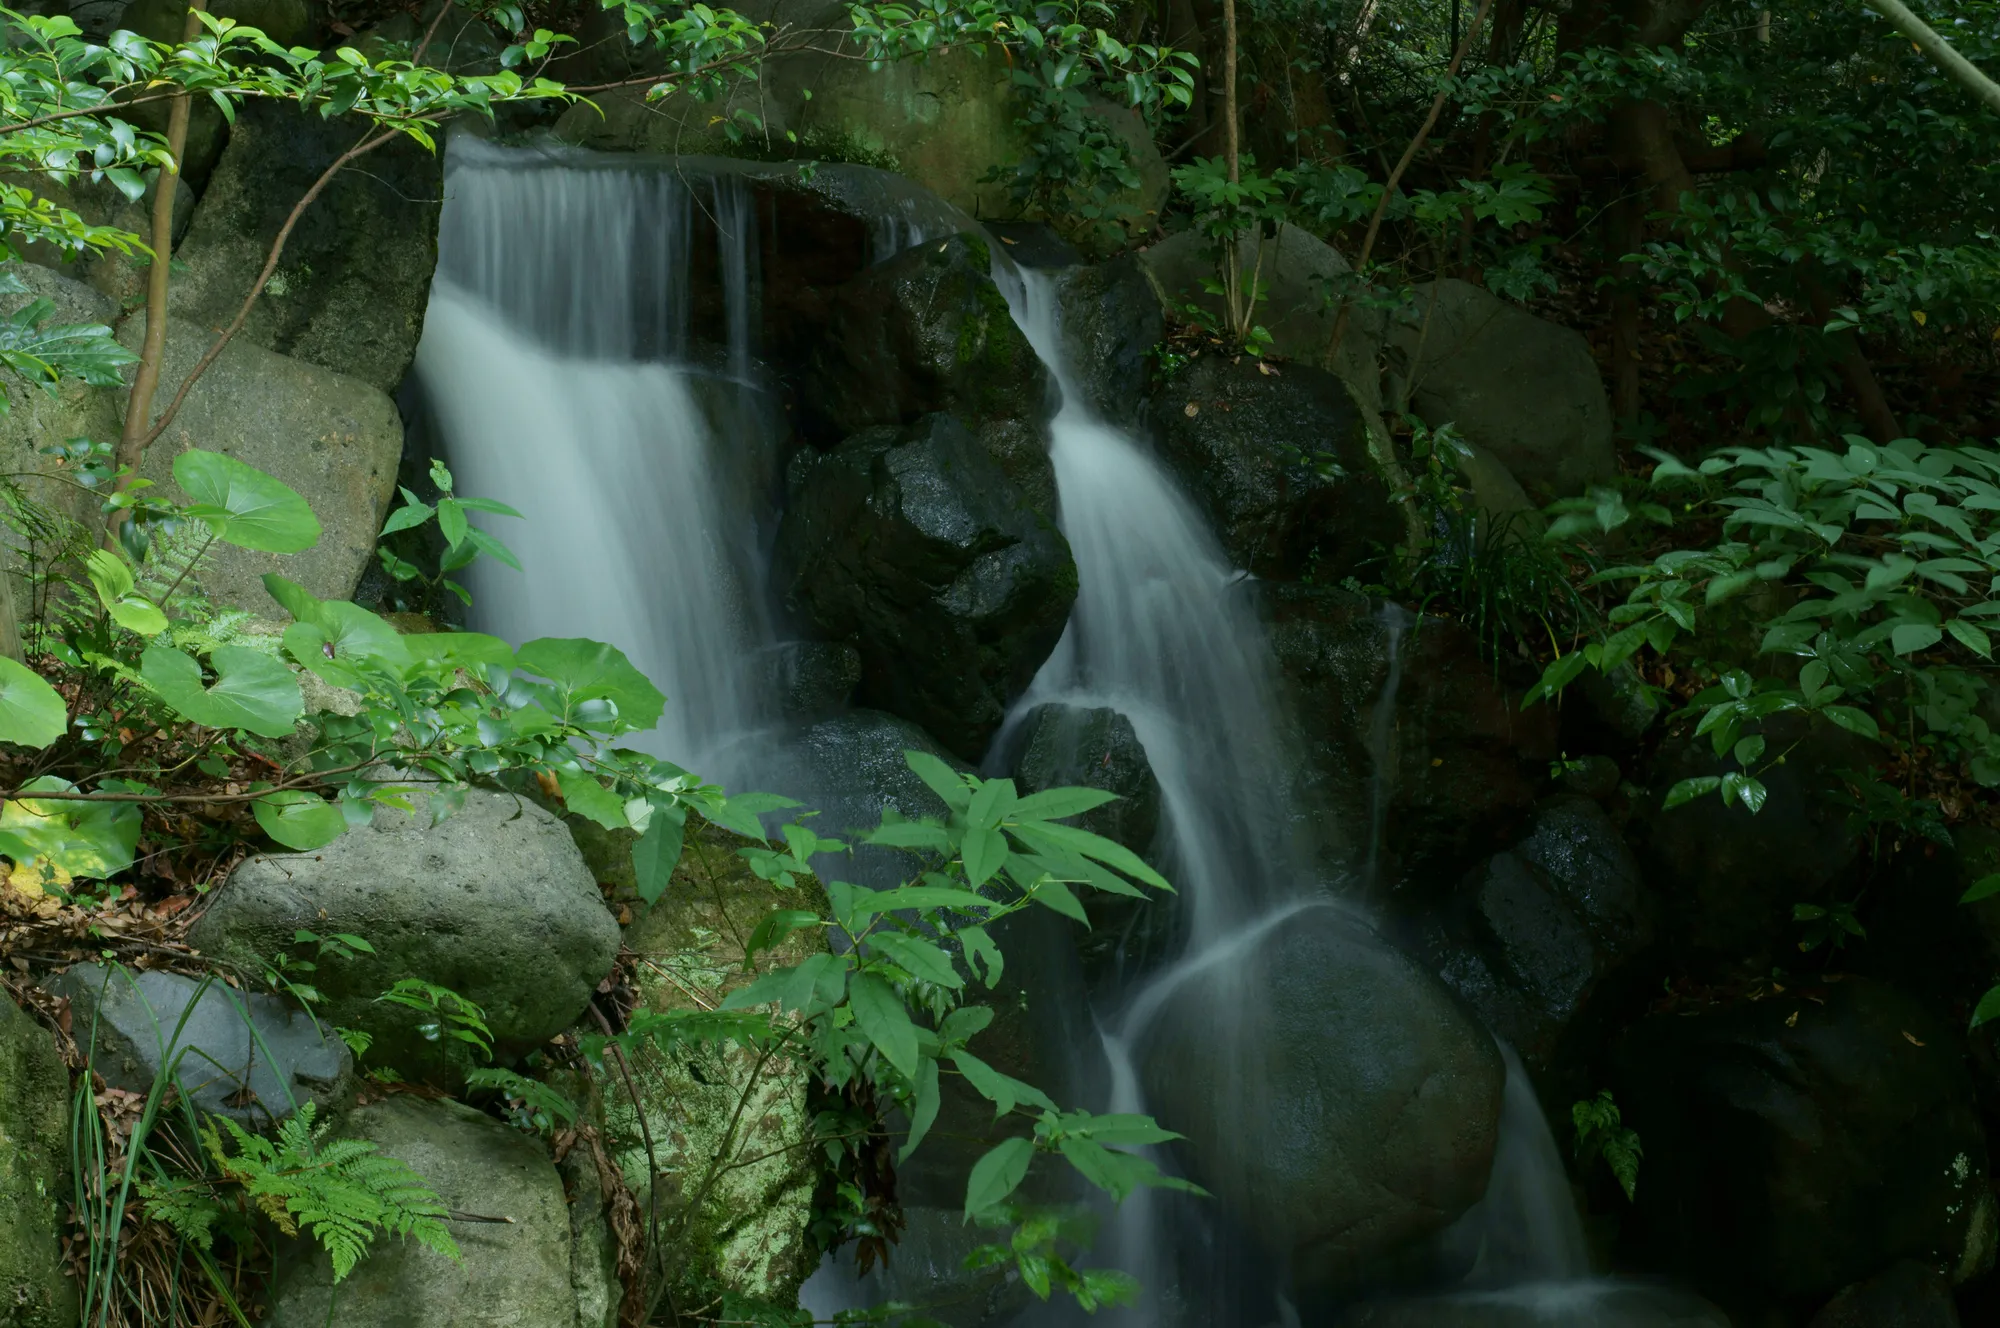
[1278,457]
[1111,322]
[1336,1099]
[494,902]
[249,1057]
[1907,1295]
[1521,387]
[1795,1140]
[336,440]
[35,1292]
[928,331]
[516,1250]
[350,290]
[1536,929]
[917,545]
[1579,1304]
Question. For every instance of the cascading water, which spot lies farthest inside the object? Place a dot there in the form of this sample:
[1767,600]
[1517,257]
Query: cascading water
[549,368]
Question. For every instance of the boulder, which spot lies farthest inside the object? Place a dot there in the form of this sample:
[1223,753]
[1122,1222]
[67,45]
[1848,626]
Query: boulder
[35,1291]
[928,331]
[815,678]
[1111,323]
[754,1180]
[1728,878]
[850,766]
[1067,746]
[119,275]
[1302,276]
[514,1269]
[1335,1098]
[1796,1139]
[1522,387]
[250,1057]
[1536,929]
[1408,731]
[336,440]
[917,545]
[1908,1295]
[494,903]
[1278,458]
[350,291]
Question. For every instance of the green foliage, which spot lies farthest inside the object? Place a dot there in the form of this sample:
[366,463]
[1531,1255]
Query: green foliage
[1865,578]
[464,541]
[1602,1133]
[341,1192]
[1829,924]
[447,1014]
[45,355]
[530,1104]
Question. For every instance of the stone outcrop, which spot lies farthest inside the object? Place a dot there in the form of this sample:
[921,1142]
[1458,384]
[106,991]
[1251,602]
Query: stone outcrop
[35,1292]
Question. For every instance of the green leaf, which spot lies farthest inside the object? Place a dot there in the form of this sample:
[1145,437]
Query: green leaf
[460,650]
[299,820]
[244,506]
[1908,638]
[32,713]
[774,928]
[1854,721]
[981,952]
[252,690]
[1056,803]
[292,597]
[658,851]
[920,959]
[942,779]
[137,614]
[1690,789]
[587,797]
[412,513]
[1972,638]
[985,851]
[87,839]
[880,1014]
[996,1175]
[1983,888]
[1068,839]
[1004,1091]
[593,671]
[1988,1008]
[46,355]
[923,1112]
[451,521]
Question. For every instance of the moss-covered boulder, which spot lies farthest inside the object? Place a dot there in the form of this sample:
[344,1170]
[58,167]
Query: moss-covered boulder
[917,545]
[510,1221]
[733,1165]
[350,291]
[494,903]
[336,440]
[34,1169]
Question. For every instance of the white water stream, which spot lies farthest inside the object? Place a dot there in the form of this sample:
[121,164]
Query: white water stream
[555,368]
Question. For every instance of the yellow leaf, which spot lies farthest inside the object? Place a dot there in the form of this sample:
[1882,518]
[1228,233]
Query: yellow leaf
[1920,316]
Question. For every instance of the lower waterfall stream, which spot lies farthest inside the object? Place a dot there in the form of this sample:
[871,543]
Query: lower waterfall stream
[561,379]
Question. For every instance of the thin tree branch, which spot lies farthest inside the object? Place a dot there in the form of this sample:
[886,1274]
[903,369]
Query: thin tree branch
[1939,50]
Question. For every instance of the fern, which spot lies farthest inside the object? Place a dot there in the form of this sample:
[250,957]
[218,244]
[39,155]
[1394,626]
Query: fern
[188,1206]
[342,1192]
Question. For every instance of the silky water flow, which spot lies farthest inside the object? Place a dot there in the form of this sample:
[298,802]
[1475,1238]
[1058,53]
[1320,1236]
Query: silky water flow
[558,376]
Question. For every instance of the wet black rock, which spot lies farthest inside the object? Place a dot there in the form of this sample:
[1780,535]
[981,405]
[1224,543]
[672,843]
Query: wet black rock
[814,677]
[1070,746]
[1336,1099]
[1729,879]
[914,544]
[1111,321]
[1278,458]
[1410,735]
[928,331]
[1534,930]
[1908,1295]
[1795,1140]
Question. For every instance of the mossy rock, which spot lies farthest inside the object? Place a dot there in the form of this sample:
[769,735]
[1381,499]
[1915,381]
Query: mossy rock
[34,1166]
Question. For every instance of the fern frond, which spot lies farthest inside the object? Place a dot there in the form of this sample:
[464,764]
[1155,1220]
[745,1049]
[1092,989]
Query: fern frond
[189,1207]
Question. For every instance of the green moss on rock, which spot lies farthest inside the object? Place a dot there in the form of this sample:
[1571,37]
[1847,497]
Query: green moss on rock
[34,1159]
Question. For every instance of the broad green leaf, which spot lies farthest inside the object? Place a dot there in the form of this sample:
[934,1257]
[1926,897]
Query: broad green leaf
[593,671]
[46,355]
[1988,1008]
[109,574]
[244,506]
[910,834]
[658,851]
[85,839]
[1004,1091]
[1690,789]
[1057,803]
[586,796]
[294,598]
[942,779]
[1054,894]
[990,801]
[251,691]
[1854,721]
[996,1175]
[985,850]
[460,650]
[964,1023]
[923,1111]
[299,820]
[821,979]
[981,952]
[1972,638]
[32,713]
[139,615]
[880,1014]
[1983,888]
[451,521]
[411,513]
[1068,839]
[774,928]
[920,959]
[922,898]
[1908,638]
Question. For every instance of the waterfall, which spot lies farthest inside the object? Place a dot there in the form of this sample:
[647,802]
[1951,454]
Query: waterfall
[553,365]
